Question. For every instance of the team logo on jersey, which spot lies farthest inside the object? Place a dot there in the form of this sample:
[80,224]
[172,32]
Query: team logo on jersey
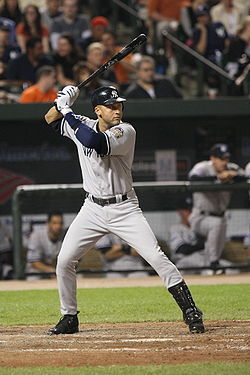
[117,132]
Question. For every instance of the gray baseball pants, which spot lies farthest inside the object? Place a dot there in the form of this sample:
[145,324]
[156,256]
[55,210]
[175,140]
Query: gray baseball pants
[126,220]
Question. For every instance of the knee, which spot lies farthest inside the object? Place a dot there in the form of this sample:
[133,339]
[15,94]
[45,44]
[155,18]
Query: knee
[65,265]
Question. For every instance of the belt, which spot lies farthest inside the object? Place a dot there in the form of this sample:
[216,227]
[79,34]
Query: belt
[212,213]
[105,202]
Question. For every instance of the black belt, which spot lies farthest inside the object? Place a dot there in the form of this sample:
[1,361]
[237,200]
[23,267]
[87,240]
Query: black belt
[212,213]
[106,202]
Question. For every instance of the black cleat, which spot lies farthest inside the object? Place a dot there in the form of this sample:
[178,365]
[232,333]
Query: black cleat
[66,325]
[193,318]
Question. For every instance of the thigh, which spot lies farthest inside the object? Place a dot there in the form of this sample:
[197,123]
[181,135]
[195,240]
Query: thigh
[86,229]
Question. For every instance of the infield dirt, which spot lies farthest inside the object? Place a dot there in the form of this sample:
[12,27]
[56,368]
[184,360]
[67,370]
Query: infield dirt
[125,343]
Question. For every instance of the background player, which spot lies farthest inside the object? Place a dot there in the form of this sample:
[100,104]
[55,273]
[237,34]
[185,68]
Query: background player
[105,150]
[44,245]
[208,214]
[118,256]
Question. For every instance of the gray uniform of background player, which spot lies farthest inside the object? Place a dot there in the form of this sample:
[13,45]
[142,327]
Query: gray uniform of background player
[42,249]
[105,177]
[124,262]
[204,203]
[179,235]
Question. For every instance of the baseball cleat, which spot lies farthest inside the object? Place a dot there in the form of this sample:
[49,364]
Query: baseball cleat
[67,324]
[193,318]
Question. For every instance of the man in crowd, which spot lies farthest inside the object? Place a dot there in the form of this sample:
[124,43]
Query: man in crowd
[44,89]
[69,22]
[147,86]
[24,67]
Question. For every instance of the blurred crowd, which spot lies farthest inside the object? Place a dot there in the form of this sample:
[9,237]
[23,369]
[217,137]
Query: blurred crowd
[48,44]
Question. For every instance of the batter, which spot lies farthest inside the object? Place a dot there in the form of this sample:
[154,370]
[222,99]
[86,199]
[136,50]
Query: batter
[105,150]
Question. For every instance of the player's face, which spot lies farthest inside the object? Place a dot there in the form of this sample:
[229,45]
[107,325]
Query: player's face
[55,225]
[109,115]
[220,165]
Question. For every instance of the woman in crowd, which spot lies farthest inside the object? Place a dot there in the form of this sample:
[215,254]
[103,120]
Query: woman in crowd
[65,57]
[31,26]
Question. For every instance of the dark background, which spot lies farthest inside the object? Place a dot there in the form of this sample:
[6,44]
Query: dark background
[28,146]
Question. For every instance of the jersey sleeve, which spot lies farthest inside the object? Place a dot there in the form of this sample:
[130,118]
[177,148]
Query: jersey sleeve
[200,172]
[67,131]
[121,138]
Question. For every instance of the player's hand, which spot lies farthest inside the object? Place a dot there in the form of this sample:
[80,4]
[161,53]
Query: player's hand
[226,176]
[72,92]
[62,103]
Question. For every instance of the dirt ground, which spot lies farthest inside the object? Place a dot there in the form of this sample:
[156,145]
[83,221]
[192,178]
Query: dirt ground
[123,344]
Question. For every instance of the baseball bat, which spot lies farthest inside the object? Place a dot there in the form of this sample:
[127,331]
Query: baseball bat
[139,40]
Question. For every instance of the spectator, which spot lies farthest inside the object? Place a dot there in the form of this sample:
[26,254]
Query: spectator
[208,214]
[24,67]
[6,253]
[44,90]
[228,13]
[65,58]
[10,9]
[94,59]
[163,12]
[98,25]
[210,40]
[119,256]
[125,67]
[81,72]
[147,86]
[31,26]
[8,50]
[44,245]
[70,22]
[50,12]
[237,54]
[188,19]
[11,25]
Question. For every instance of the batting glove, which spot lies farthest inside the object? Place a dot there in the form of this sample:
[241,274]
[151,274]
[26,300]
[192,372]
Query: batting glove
[62,103]
[73,93]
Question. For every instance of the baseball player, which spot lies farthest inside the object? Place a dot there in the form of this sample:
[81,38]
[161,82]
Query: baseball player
[208,214]
[105,149]
[187,248]
[117,256]
[44,245]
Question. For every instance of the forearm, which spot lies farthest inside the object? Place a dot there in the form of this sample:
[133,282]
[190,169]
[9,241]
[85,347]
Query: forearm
[40,266]
[202,44]
[52,115]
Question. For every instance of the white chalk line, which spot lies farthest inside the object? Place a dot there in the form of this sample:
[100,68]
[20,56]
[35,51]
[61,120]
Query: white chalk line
[191,347]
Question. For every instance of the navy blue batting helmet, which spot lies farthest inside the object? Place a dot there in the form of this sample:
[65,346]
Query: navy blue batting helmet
[106,95]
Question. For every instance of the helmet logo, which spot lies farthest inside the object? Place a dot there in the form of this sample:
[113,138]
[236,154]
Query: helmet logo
[114,94]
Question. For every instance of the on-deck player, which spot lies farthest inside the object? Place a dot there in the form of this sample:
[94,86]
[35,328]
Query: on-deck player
[105,150]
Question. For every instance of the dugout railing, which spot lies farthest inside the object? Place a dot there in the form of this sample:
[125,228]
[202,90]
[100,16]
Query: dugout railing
[154,196]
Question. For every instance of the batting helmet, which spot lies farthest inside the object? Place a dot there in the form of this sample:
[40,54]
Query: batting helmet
[106,95]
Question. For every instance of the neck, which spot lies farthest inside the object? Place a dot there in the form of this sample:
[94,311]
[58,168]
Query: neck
[69,19]
[43,87]
[102,126]
[32,59]
[145,85]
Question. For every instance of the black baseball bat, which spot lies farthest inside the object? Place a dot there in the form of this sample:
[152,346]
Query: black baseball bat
[139,40]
